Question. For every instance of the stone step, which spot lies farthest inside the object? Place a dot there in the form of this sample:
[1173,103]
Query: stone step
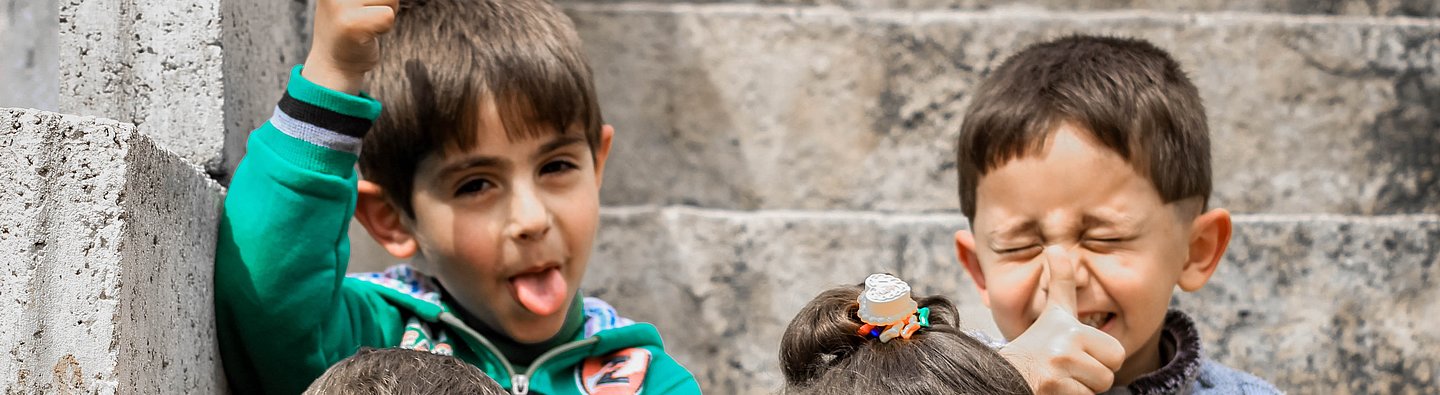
[1314,304]
[107,248]
[753,107]
[1417,8]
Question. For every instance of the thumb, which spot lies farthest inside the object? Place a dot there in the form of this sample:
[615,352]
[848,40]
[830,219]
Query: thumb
[1061,293]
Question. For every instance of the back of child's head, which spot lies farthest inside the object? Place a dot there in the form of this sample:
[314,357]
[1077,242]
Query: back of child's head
[396,371]
[1131,96]
[822,353]
[446,58]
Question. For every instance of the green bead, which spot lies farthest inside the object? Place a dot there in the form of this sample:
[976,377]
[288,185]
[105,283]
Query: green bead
[924,316]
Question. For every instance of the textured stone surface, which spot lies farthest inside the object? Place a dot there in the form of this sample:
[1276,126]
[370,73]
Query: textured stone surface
[1328,305]
[153,63]
[1422,8]
[262,40]
[29,72]
[1313,304]
[820,108]
[108,245]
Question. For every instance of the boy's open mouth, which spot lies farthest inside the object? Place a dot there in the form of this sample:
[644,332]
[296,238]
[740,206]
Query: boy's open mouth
[542,291]
[1097,320]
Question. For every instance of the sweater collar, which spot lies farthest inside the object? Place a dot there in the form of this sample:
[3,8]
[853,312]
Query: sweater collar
[522,354]
[1180,347]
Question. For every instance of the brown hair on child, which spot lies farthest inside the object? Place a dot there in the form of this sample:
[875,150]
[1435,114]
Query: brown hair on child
[1131,96]
[446,57]
[399,371]
[821,353]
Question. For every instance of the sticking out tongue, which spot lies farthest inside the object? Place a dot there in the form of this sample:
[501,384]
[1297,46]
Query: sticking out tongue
[543,293]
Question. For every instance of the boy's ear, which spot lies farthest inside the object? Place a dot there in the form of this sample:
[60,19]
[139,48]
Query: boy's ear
[1209,236]
[384,222]
[602,152]
[965,250]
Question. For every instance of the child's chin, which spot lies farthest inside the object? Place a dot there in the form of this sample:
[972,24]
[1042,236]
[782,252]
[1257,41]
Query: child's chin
[534,328]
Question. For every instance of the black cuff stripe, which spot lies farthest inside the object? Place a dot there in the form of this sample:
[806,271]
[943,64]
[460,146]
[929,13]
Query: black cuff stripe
[324,118]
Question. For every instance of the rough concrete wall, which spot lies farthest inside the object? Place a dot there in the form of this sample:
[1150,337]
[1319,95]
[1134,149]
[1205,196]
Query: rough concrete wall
[109,246]
[167,319]
[29,37]
[153,63]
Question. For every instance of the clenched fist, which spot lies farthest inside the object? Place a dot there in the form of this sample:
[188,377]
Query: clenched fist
[344,45]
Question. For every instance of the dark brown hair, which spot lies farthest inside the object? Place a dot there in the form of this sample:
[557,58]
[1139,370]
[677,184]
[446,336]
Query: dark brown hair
[820,353]
[445,58]
[396,371]
[1128,94]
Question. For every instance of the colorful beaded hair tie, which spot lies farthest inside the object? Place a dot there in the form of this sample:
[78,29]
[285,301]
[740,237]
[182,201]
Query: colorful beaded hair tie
[887,309]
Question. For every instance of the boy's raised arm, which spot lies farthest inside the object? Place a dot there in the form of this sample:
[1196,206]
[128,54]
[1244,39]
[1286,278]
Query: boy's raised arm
[282,252]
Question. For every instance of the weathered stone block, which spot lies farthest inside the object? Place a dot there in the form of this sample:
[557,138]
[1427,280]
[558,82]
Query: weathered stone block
[831,108]
[153,63]
[1313,304]
[30,37]
[1337,305]
[108,244]
[262,40]
[1418,8]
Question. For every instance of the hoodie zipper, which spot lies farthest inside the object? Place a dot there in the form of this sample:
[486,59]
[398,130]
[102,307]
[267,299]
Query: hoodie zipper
[519,383]
[548,355]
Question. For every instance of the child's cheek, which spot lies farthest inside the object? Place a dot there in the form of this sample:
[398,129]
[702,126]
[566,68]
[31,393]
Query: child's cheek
[1027,297]
[1017,300]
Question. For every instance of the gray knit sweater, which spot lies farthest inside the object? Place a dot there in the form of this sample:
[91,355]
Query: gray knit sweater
[1188,372]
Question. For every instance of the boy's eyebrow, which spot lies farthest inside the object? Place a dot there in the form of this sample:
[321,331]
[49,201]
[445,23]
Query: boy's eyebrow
[558,143]
[472,162]
[490,161]
[1091,220]
[1013,229]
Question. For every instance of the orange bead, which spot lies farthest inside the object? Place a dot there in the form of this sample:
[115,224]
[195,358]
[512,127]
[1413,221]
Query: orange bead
[909,330]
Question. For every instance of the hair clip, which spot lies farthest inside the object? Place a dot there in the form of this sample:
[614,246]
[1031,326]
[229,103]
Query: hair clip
[888,310]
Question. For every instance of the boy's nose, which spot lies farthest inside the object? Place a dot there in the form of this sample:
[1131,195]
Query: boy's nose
[1082,271]
[1082,267]
[529,219]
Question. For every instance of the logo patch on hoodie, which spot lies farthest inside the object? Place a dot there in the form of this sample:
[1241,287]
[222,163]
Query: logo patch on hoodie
[620,373]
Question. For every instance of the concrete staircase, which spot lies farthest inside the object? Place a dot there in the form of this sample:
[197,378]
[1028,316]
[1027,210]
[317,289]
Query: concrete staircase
[768,151]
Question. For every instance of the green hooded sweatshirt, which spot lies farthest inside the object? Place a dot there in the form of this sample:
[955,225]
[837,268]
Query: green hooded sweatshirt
[286,310]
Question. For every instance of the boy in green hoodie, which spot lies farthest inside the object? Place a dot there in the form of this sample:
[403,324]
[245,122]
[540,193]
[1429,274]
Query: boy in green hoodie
[483,169]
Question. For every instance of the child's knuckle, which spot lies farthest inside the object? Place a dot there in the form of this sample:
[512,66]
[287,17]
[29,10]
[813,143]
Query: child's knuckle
[1064,361]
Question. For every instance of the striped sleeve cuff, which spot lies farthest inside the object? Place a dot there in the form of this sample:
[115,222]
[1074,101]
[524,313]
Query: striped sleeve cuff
[323,116]
[361,106]
[314,133]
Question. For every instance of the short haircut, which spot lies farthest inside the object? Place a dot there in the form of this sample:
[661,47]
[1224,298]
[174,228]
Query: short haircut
[821,353]
[445,58]
[397,371]
[1128,94]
